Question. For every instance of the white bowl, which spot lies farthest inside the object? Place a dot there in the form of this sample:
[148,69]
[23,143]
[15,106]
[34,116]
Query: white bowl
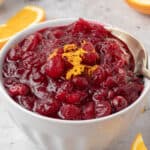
[54,134]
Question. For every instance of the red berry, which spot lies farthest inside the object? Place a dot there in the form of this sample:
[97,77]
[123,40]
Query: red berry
[80,82]
[90,58]
[88,46]
[26,101]
[103,108]
[119,103]
[70,112]
[47,108]
[88,111]
[55,67]
[99,95]
[18,89]
[99,75]
[30,42]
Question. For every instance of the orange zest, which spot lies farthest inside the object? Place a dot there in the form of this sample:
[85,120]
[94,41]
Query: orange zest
[25,17]
[142,6]
[138,143]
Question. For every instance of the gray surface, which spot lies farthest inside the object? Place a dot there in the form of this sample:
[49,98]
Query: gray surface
[114,12]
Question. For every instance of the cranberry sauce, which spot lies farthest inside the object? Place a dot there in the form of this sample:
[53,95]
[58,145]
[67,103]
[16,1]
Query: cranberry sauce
[74,72]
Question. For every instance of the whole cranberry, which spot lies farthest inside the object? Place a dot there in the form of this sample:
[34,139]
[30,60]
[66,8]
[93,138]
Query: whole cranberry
[102,108]
[76,97]
[15,54]
[30,42]
[18,89]
[88,46]
[99,95]
[99,75]
[55,67]
[88,111]
[80,82]
[90,58]
[62,91]
[119,103]
[26,101]
[47,107]
[70,112]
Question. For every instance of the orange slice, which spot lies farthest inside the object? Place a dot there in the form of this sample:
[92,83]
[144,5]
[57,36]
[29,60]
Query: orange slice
[142,6]
[25,17]
[138,143]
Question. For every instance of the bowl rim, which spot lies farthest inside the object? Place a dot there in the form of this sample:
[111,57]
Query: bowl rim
[58,22]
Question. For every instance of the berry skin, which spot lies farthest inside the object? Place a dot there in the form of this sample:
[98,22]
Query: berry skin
[119,103]
[47,108]
[88,111]
[54,67]
[70,112]
[102,108]
[18,89]
[80,82]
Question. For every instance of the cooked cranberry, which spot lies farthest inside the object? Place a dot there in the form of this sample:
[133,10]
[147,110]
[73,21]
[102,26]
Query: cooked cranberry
[70,112]
[26,101]
[90,58]
[9,69]
[75,97]
[100,95]
[18,89]
[55,67]
[119,103]
[30,42]
[80,82]
[47,108]
[103,108]
[88,46]
[15,54]
[110,82]
[8,82]
[88,111]
[99,75]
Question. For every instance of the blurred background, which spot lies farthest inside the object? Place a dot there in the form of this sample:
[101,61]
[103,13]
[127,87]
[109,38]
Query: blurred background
[114,12]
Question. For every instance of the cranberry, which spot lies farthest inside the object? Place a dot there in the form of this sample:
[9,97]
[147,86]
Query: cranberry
[90,58]
[80,82]
[55,67]
[47,108]
[110,82]
[15,54]
[99,75]
[100,95]
[88,46]
[75,97]
[32,59]
[70,112]
[119,103]
[103,108]
[26,101]
[9,69]
[88,111]
[18,89]
[63,90]
[30,42]
[8,82]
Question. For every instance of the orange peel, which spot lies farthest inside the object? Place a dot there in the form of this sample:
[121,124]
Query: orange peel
[25,17]
[142,6]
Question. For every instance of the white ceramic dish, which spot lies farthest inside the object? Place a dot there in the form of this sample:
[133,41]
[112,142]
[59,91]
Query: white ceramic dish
[53,134]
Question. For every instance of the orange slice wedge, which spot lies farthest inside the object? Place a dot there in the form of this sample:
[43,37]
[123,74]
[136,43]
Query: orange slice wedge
[142,6]
[25,17]
[138,143]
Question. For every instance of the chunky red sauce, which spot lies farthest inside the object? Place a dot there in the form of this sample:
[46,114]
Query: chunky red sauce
[74,72]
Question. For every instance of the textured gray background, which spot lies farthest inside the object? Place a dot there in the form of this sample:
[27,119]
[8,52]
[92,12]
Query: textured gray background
[114,12]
